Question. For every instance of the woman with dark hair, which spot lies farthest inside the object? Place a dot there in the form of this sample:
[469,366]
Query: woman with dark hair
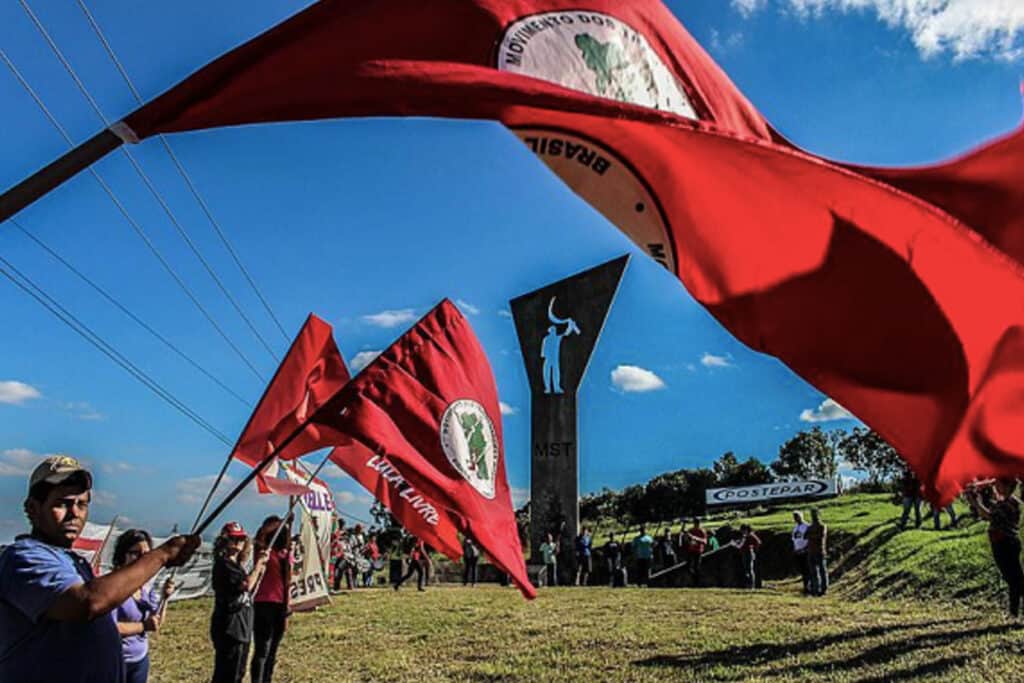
[140,613]
[231,623]
[270,603]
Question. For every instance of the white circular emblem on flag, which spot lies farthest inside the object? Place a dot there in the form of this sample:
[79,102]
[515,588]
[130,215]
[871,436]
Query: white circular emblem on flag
[471,444]
[593,53]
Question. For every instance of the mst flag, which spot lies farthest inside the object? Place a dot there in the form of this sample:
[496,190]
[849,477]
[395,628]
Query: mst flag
[428,408]
[875,285]
[413,509]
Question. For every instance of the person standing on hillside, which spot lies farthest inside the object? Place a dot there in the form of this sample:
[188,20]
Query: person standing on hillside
[271,597]
[817,536]
[613,560]
[470,561]
[696,540]
[418,561]
[549,555]
[936,516]
[643,551]
[748,544]
[911,489]
[1003,516]
[583,559]
[667,549]
[799,537]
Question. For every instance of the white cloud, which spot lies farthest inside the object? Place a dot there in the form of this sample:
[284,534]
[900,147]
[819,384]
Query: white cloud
[362,359]
[348,497]
[193,490]
[964,28]
[332,471]
[103,498]
[710,360]
[391,318]
[632,378]
[519,496]
[16,393]
[721,44]
[828,411]
[117,467]
[506,409]
[748,7]
[505,313]
[82,410]
[467,307]
[19,462]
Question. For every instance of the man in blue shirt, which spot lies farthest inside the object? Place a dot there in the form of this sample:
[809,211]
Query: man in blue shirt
[56,618]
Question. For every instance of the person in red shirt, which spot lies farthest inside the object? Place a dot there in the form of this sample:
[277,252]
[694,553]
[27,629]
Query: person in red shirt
[372,554]
[748,544]
[694,541]
[418,560]
[270,602]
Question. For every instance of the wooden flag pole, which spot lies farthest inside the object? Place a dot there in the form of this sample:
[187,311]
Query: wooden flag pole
[49,177]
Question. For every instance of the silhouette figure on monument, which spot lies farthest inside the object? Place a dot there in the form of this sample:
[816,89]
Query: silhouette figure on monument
[551,349]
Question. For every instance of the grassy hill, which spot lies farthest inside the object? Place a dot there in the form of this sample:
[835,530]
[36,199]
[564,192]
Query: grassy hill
[598,634]
[871,557]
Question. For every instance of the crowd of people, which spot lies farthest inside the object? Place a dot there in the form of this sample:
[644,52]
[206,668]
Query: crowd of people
[355,557]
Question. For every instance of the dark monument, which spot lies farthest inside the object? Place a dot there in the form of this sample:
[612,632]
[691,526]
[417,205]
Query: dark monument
[558,326]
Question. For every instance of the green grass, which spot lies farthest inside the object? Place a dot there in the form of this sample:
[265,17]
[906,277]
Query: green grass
[597,634]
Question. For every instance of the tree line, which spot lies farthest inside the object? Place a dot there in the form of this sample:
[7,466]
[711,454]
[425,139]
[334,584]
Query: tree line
[812,453]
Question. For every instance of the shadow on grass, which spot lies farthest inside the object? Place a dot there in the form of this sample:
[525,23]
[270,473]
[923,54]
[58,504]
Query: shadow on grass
[762,653]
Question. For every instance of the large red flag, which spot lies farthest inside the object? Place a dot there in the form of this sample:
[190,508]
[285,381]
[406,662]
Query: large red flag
[428,406]
[875,285]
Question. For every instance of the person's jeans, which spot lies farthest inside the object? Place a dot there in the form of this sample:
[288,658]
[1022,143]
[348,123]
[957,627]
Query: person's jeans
[936,512]
[552,570]
[417,567]
[805,569]
[747,559]
[909,502]
[693,560]
[819,573]
[643,571]
[137,672]
[267,631]
[1006,553]
[229,660]
[469,570]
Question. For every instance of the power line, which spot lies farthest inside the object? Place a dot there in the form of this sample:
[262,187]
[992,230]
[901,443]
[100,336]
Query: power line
[184,174]
[124,309]
[131,221]
[107,349]
[145,179]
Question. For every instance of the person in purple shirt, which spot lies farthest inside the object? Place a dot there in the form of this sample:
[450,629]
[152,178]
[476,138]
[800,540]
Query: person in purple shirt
[56,619]
[140,614]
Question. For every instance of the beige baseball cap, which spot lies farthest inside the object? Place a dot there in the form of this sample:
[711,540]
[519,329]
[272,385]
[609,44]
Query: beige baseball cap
[57,469]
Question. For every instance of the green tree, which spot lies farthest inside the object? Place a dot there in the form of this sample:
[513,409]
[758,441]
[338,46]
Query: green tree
[867,451]
[808,454]
[729,471]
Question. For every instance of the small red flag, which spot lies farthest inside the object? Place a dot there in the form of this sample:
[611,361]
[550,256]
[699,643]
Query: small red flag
[428,407]
[311,372]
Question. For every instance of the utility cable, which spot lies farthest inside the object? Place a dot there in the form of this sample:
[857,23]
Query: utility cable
[124,309]
[131,221]
[184,174]
[32,289]
[145,178]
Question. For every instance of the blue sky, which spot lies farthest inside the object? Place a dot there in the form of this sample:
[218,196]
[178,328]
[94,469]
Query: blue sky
[352,219]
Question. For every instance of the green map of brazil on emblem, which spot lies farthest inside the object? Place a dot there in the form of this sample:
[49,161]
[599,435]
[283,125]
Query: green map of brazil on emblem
[470,443]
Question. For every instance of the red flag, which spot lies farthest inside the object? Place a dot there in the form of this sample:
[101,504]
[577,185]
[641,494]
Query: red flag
[311,372]
[428,406]
[875,285]
[413,509]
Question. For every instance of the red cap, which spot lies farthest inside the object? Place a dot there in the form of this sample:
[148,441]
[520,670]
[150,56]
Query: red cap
[233,530]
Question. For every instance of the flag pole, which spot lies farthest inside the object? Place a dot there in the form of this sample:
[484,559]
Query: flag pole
[292,501]
[56,173]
